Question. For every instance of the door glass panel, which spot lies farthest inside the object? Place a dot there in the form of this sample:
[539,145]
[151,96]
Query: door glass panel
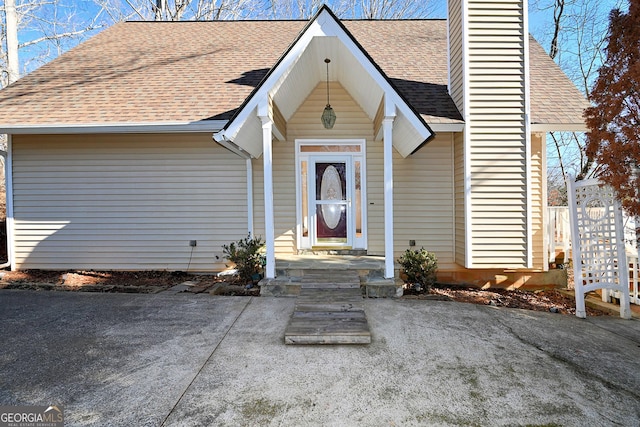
[305,199]
[358,197]
[326,148]
[331,202]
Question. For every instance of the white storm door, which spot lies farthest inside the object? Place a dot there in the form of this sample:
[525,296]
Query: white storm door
[330,201]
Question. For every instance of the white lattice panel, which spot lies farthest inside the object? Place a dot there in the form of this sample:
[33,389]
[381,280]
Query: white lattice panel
[597,237]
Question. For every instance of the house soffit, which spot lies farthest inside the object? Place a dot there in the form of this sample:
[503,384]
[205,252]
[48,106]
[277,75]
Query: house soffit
[302,67]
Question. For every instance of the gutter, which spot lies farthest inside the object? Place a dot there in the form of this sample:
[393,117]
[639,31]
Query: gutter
[221,138]
[131,127]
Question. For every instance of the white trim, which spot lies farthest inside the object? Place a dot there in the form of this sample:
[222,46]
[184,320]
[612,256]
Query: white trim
[250,196]
[323,25]
[390,95]
[269,222]
[454,231]
[8,167]
[466,149]
[139,127]
[364,226]
[447,127]
[527,133]
[307,242]
[263,91]
[543,209]
[217,137]
[299,225]
[559,127]
[389,264]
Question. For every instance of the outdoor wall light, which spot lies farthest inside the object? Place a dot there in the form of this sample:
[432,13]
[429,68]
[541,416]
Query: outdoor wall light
[328,115]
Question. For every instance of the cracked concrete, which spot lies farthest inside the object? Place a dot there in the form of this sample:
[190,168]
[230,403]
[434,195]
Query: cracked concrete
[183,359]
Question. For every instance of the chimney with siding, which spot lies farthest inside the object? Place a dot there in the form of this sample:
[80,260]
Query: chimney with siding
[488,81]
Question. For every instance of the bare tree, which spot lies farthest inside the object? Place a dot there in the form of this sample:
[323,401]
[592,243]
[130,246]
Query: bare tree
[180,10]
[11,37]
[392,9]
[357,9]
[558,9]
[43,28]
[575,35]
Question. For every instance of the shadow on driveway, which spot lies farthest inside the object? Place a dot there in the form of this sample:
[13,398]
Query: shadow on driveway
[133,359]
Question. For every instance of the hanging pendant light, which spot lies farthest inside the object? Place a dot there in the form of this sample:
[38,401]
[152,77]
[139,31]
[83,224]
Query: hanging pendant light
[328,116]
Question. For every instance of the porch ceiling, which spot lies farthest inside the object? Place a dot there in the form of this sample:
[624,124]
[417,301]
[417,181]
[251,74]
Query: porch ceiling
[309,70]
[300,70]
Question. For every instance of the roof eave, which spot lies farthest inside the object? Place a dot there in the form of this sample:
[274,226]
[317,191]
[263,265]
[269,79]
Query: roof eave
[142,127]
[447,127]
[559,127]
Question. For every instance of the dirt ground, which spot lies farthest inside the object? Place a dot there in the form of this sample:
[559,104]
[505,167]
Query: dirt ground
[156,281]
[122,281]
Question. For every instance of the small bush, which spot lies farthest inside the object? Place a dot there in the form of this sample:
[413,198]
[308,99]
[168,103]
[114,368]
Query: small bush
[420,266]
[246,255]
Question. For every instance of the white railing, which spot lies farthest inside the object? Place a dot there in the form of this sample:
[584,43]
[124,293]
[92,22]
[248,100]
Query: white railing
[558,232]
[634,278]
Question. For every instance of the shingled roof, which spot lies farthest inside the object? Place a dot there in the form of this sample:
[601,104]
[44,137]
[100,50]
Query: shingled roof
[180,72]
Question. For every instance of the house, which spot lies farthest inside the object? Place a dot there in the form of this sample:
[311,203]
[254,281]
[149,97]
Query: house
[152,144]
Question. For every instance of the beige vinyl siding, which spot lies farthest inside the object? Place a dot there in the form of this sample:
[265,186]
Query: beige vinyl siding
[125,202]
[375,197]
[423,202]
[456,54]
[497,134]
[459,196]
[538,201]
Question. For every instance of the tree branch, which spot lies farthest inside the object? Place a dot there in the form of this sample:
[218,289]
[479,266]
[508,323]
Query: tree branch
[58,36]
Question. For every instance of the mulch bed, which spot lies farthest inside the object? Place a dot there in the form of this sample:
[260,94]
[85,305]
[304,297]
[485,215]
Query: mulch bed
[546,300]
[157,281]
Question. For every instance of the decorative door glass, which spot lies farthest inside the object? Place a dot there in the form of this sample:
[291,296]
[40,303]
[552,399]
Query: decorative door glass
[331,202]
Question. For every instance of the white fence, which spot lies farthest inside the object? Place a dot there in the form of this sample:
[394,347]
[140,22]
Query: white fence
[559,239]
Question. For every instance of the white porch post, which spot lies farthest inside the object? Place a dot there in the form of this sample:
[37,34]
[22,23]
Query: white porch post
[387,126]
[269,224]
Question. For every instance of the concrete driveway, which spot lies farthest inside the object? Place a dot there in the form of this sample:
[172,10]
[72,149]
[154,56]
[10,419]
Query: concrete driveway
[191,360]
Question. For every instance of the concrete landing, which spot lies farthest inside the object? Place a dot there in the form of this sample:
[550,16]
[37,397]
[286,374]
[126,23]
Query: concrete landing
[329,310]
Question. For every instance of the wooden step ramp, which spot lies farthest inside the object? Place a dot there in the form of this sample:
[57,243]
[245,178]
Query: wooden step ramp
[329,310]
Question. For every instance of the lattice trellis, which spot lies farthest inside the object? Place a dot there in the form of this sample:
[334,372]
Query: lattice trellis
[597,237]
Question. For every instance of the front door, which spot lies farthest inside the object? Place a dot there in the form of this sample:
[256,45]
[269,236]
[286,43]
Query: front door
[330,201]
[331,194]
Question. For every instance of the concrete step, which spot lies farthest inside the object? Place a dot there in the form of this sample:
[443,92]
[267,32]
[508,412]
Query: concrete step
[371,282]
[328,316]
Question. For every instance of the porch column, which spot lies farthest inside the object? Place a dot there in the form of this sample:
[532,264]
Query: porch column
[387,126]
[269,224]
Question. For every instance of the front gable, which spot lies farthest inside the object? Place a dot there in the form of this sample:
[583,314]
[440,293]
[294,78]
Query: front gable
[301,68]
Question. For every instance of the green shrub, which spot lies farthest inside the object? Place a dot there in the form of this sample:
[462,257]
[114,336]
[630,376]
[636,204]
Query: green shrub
[247,257]
[420,266]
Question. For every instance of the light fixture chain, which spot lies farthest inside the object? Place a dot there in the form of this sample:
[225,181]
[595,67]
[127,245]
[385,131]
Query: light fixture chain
[327,62]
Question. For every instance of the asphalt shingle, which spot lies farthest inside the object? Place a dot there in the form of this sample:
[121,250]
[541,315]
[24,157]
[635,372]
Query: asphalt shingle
[138,72]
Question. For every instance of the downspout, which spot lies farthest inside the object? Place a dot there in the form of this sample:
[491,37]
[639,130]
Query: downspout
[250,196]
[221,139]
[8,177]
